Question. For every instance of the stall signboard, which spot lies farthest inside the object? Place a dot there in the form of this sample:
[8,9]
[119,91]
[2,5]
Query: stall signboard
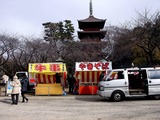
[93,66]
[46,67]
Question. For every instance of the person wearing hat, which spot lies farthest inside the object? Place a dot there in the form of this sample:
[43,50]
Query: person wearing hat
[15,90]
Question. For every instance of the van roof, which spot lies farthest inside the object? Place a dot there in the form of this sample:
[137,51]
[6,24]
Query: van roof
[135,68]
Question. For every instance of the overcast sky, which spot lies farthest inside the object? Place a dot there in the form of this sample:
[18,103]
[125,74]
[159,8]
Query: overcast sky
[25,17]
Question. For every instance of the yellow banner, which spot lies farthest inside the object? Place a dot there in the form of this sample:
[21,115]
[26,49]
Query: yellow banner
[46,67]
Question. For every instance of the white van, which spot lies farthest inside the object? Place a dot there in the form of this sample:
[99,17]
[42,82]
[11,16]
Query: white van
[32,83]
[131,82]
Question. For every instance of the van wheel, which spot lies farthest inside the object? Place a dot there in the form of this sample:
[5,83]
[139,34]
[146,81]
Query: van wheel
[156,97]
[117,96]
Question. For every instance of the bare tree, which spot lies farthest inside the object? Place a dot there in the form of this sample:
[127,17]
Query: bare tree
[9,44]
[4,49]
[146,36]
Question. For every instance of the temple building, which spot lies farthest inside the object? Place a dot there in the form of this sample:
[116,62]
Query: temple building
[91,28]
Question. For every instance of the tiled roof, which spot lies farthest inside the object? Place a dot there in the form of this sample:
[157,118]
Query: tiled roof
[92,19]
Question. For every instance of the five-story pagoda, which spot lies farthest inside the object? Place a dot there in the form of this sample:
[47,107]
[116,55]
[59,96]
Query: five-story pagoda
[91,27]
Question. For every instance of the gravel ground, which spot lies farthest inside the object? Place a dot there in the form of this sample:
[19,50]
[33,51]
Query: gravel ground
[79,107]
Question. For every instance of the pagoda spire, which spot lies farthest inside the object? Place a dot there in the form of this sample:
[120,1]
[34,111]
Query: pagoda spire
[90,8]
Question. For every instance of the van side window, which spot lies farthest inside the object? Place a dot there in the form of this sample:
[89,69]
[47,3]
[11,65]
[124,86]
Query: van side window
[116,75]
[120,75]
[154,74]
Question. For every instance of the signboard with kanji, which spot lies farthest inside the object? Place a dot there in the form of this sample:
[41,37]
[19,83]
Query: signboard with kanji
[46,67]
[93,66]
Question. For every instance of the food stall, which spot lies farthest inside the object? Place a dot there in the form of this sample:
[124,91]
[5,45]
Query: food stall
[87,73]
[50,78]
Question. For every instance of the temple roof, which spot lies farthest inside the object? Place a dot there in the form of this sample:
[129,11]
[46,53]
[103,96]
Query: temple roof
[91,18]
[91,34]
[91,22]
[104,31]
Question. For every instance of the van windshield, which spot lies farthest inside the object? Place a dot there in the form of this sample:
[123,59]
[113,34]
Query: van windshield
[20,75]
[115,75]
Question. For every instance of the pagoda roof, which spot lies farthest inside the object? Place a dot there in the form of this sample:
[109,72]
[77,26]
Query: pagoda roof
[91,34]
[102,31]
[91,18]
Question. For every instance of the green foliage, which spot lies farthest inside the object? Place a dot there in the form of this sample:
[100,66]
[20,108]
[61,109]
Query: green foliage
[59,31]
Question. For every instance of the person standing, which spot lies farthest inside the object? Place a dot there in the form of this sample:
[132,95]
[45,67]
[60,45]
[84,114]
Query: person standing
[58,78]
[15,90]
[102,75]
[24,88]
[71,81]
[5,78]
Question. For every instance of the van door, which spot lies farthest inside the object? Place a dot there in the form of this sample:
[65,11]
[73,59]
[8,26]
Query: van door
[154,81]
[117,81]
[137,82]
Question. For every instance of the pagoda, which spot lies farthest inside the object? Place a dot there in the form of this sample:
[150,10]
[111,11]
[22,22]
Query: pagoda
[91,27]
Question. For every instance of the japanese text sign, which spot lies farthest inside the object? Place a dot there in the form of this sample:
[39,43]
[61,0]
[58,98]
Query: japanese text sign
[46,67]
[93,66]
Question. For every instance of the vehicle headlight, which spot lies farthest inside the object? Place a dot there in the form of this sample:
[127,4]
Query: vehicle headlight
[101,88]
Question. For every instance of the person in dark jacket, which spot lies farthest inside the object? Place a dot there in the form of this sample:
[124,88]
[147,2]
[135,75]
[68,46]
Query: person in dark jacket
[58,78]
[102,75]
[24,88]
[71,81]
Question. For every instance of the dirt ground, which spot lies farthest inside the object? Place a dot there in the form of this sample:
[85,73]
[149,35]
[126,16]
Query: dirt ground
[78,107]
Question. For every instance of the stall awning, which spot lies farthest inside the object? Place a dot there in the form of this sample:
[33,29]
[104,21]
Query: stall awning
[47,68]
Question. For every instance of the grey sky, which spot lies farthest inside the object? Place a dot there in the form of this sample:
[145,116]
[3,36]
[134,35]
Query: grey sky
[25,17]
